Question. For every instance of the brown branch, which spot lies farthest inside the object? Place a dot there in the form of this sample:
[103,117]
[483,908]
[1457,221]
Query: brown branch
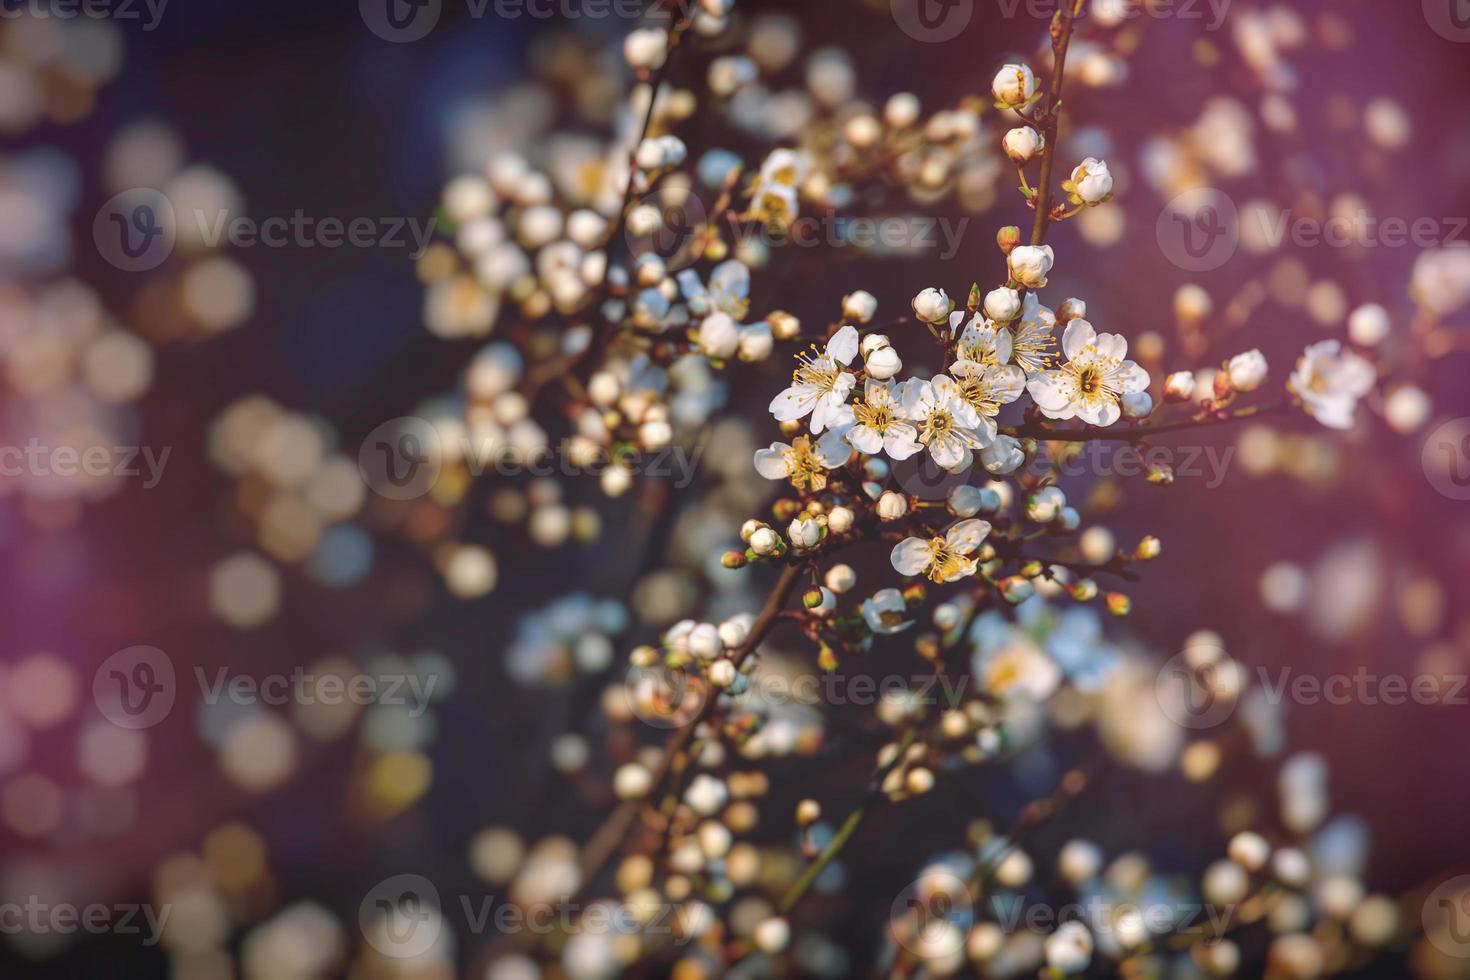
[1092,433]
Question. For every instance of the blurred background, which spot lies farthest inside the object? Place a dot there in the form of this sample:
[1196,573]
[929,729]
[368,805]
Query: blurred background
[1320,551]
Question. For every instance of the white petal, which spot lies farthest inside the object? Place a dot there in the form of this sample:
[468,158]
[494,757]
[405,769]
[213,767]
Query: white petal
[1131,378]
[865,439]
[833,450]
[1112,345]
[901,441]
[950,453]
[910,556]
[1007,381]
[1079,334]
[771,463]
[1052,392]
[844,345]
[1099,413]
[966,536]
[794,403]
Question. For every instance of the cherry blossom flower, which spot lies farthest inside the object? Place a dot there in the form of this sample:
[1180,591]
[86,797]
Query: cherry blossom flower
[878,423]
[801,463]
[819,387]
[986,387]
[885,611]
[1030,264]
[1091,183]
[1329,381]
[945,559]
[1093,380]
[947,423]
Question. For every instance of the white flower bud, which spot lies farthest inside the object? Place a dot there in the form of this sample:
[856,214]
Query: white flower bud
[1249,850]
[632,782]
[884,363]
[1014,86]
[1002,456]
[1030,264]
[1137,404]
[804,532]
[1003,305]
[839,520]
[1179,386]
[901,110]
[1072,309]
[1369,325]
[719,335]
[706,794]
[965,500]
[722,673]
[1079,861]
[616,480]
[1023,143]
[646,47]
[763,541]
[1092,182]
[756,342]
[650,155]
[840,578]
[1069,949]
[1247,371]
[892,506]
[859,306]
[872,342]
[704,641]
[932,305]
[772,936]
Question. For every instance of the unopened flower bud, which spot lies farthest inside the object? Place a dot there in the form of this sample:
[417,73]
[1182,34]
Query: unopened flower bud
[859,306]
[1008,238]
[1119,604]
[892,506]
[883,364]
[1179,386]
[733,559]
[839,520]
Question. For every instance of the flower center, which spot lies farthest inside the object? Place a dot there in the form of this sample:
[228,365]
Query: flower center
[944,565]
[803,467]
[978,392]
[876,417]
[890,618]
[815,370]
[938,425]
[1094,376]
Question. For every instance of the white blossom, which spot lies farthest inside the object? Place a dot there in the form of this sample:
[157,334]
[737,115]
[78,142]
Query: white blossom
[1247,371]
[1094,377]
[945,559]
[1329,381]
[860,306]
[1003,305]
[885,612]
[948,426]
[802,463]
[818,386]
